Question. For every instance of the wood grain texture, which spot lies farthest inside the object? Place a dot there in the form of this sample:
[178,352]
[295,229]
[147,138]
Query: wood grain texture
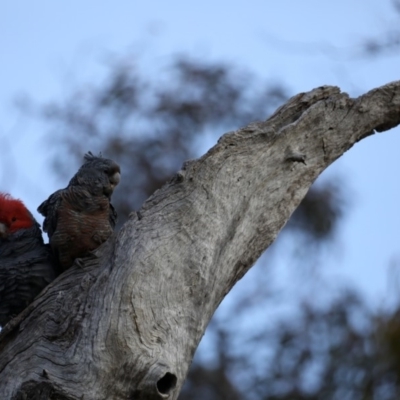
[126,325]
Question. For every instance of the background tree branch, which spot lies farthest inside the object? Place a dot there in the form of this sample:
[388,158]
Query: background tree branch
[127,325]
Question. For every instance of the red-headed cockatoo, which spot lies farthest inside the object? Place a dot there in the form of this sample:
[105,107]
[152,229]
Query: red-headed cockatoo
[26,264]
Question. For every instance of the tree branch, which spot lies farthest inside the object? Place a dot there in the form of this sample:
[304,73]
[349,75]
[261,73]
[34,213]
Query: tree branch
[126,325]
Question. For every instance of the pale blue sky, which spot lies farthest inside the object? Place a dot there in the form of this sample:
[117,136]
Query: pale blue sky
[48,46]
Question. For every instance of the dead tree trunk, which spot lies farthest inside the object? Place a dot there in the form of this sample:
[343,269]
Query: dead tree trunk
[126,326]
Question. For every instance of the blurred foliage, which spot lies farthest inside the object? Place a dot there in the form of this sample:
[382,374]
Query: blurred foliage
[389,42]
[341,351]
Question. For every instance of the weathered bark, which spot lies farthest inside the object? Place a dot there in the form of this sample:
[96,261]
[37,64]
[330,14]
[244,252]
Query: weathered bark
[127,324]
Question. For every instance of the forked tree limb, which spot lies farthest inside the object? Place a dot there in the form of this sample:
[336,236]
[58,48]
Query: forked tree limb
[126,325]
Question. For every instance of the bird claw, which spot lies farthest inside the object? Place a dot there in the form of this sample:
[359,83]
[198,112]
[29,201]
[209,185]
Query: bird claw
[83,262]
[80,262]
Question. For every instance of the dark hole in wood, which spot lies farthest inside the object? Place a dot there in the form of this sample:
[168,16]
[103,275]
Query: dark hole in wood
[167,383]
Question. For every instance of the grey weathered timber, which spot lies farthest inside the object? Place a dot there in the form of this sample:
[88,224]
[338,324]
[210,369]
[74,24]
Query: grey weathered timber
[126,325]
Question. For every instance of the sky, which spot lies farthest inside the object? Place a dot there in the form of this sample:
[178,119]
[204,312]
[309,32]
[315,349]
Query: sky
[50,47]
